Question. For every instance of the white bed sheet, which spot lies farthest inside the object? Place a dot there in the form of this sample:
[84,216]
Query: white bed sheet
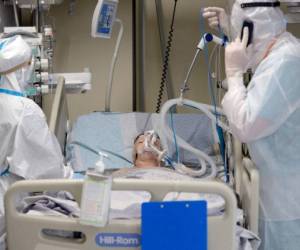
[127,204]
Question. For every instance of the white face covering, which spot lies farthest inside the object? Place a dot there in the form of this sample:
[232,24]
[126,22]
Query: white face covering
[20,79]
[26,76]
[15,52]
[10,81]
[269,23]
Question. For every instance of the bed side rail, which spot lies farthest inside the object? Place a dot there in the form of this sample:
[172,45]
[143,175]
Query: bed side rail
[247,186]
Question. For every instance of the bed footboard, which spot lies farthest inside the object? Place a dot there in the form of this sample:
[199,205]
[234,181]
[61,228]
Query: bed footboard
[25,231]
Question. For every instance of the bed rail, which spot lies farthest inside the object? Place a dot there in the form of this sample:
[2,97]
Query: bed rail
[58,122]
[247,187]
[25,231]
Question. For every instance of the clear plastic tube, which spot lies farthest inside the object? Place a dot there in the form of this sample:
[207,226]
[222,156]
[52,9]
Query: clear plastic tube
[203,157]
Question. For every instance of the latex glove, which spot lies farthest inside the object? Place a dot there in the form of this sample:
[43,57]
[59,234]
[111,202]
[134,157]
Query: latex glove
[217,17]
[237,56]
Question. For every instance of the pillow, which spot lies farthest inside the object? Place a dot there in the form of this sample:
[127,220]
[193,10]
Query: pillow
[116,132]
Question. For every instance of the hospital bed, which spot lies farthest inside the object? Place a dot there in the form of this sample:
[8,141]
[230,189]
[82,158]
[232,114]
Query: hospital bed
[28,229]
[58,122]
[247,187]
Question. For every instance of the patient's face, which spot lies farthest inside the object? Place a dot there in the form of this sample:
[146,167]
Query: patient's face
[146,157]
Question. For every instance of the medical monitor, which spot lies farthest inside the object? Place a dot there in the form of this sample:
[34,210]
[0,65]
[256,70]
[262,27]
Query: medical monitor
[104,18]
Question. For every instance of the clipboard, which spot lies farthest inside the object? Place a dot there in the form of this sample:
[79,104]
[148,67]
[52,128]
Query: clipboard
[179,225]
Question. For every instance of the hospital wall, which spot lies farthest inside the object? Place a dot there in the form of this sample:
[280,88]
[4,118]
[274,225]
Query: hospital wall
[6,16]
[75,50]
[185,39]
[295,29]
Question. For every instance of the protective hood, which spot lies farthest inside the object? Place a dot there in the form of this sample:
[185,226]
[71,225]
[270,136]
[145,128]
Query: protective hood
[269,23]
[15,59]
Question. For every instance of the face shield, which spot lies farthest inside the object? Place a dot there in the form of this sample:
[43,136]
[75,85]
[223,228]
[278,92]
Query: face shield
[268,24]
[16,66]
[25,75]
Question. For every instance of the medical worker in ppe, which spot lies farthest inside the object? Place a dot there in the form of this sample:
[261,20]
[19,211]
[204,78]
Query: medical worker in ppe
[28,150]
[266,114]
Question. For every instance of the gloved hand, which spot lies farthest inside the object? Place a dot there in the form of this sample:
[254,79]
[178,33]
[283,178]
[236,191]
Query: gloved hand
[237,56]
[217,17]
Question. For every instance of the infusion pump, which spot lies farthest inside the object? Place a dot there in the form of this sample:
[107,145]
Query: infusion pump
[29,4]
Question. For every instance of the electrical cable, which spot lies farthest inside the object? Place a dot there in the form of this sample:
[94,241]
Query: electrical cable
[201,156]
[166,60]
[97,152]
[174,136]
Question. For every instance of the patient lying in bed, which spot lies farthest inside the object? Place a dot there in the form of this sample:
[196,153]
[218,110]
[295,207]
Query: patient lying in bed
[127,204]
[142,157]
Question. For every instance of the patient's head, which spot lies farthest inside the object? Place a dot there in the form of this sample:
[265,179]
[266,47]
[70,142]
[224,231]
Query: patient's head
[143,157]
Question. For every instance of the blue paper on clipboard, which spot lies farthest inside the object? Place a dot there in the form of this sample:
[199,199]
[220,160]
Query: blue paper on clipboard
[180,225]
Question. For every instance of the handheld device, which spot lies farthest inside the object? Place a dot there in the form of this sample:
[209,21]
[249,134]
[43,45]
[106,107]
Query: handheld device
[250,25]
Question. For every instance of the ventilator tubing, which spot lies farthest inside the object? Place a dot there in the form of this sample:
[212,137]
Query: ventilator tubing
[202,157]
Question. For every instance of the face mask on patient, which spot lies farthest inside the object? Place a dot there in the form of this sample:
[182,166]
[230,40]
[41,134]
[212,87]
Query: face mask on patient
[143,156]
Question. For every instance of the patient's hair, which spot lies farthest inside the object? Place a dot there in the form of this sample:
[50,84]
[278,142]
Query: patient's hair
[140,134]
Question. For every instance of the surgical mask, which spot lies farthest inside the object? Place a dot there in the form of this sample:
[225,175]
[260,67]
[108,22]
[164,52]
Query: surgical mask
[28,74]
[19,80]
[25,76]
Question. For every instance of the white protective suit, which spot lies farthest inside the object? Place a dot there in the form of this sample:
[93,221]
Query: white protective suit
[28,150]
[266,115]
